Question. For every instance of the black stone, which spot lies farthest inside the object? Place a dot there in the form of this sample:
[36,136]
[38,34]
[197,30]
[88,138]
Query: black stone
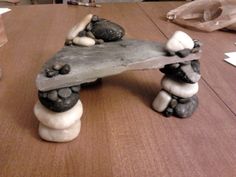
[65,69]
[173,103]
[52,95]
[64,92]
[184,110]
[184,100]
[60,104]
[90,34]
[183,53]
[108,31]
[89,27]
[82,33]
[51,73]
[95,18]
[75,89]
[188,72]
[168,112]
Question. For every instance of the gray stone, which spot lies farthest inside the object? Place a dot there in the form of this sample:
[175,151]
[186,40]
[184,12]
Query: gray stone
[173,103]
[107,30]
[89,27]
[89,63]
[57,66]
[75,89]
[168,112]
[52,95]
[65,69]
[186,110]
[90,34]
[64,92]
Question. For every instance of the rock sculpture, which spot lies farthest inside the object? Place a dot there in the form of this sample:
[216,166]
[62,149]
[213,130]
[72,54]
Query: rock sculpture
[93,49]
[180,83]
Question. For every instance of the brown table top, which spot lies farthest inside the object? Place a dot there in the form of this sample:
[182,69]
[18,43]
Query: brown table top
[121,135]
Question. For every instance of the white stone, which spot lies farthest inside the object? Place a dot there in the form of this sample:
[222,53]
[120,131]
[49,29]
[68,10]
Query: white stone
[180,89]
[84,41]
[161,101]
[179,41]
[79,27]
[63,135]
[57,120]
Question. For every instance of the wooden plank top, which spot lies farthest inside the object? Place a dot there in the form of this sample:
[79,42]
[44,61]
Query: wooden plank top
[121,136]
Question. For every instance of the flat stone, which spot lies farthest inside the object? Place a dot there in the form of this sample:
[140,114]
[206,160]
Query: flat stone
[107,30]
[178,88]
[162,101]
[56,120]
[64,92]
[187,109]
[55,135]
[90,63]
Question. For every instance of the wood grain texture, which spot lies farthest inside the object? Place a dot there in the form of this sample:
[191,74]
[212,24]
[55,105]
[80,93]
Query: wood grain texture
[120,135]
[220,75]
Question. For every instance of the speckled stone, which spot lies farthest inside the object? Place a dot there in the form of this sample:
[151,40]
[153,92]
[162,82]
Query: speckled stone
[108,31]
[52,101]
[184,110]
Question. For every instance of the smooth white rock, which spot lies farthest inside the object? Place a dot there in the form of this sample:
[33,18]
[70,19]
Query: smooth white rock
[179,41]
[63,135]
[84,41]
[180,89]
[161,101]
[79,27]
[57,120]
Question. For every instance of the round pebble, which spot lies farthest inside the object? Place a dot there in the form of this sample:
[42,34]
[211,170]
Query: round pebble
[51,73]
[65,69]
[169,112]
[55,135]
[187,109]
[108,31]
[57,66]
[57,120]
[75,89]
[95,18]
[89,27]
[82,33]
[52,95]
[180,89]
[173,103]
[64,92]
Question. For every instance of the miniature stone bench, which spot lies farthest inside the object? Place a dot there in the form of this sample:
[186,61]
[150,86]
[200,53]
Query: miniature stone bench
[59,108]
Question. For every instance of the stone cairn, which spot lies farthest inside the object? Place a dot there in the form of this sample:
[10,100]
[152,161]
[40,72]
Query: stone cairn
[180,82]
[59,111]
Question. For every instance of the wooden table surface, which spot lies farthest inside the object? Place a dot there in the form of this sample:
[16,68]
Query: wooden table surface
[121,136]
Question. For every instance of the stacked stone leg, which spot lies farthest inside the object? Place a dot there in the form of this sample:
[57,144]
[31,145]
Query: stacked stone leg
[180,82]
[59,112]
